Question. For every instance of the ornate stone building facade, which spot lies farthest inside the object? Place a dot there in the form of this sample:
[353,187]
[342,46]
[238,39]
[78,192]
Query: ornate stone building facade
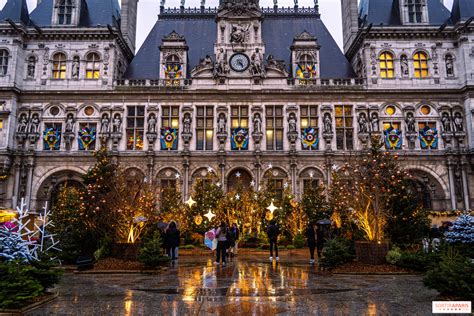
[262,93]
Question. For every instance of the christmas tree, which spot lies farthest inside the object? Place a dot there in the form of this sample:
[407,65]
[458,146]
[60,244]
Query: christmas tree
[462,231]
[207,193]
[173,209]
[365,187]
[314,203]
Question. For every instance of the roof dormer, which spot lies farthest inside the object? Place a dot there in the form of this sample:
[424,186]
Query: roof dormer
[68,12]
[414,12]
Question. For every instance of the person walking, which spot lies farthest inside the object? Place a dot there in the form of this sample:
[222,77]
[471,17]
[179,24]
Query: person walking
[234,234]
[221,235]
[172,236]
[272,232]
[320,239]
[311,239]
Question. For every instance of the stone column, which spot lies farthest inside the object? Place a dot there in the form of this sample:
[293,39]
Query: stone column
[452,189]
[293,175]
[465,185]
[30,165]
[185,179]
[16,187]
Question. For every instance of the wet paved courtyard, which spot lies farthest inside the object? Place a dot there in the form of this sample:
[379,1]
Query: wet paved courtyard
[250,285]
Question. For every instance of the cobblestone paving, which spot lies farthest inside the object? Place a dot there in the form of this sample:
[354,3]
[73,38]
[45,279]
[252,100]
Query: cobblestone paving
[250,285]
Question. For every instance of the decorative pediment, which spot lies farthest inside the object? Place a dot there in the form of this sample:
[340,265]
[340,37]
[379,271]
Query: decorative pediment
[305,36]
[173,37]
[240,8]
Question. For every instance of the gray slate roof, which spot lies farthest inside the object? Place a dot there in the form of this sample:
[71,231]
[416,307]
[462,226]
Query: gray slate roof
[94,13]
[200,34]
[462,10]
[387,12]
[15,10]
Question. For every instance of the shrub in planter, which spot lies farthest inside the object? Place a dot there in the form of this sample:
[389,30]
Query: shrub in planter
[336,252]
[299,241]
[151,252]
[418,261]
[290,247]
[452,275]
[17,284]
[44,273]
[394,255]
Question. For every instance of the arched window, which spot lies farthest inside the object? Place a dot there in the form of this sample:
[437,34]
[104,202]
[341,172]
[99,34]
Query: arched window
[449,60]
[31,67]
[386,65]
[59,66]
[65,12]
[306,67]
[173,67]
[93,66]
[420,65]
[4,56]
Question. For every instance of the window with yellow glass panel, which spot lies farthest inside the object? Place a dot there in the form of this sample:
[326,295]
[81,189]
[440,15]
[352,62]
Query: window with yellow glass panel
[93,66]
[1,125]
[239,116]
[386,65]
[59,66]
[274,127]
[420,65]
[170,117]
[204,127]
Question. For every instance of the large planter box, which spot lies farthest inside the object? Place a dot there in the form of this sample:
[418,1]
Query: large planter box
[371,252]
[124,251]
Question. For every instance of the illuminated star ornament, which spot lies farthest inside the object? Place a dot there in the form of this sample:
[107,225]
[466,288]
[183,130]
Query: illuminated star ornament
[209,215]
[285,185]
[270,166]
[218,184]
[272,208]
[177,175]
[311,174]
[252,183]
[190,202]
[237,197]
[209,169]
[238,174]
[334,167]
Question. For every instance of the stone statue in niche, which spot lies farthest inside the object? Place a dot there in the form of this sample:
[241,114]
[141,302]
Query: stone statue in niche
[75,68]
[458,122]
[221,67]
[404,65]
[449,66]
[22,124]
[256,63]
[239,33]
[151,124]
[363,123]
[69,123]
[327,122]
[374,122]
[221,123]
[292,123]
[104,124]
[446,122]
[187,123]
[30,72]
[117,124]
[257,123]
[410,121]
[34,124]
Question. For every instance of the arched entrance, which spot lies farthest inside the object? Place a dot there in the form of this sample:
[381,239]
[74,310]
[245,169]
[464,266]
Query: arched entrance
[429,191]
[51,187]
[239,178]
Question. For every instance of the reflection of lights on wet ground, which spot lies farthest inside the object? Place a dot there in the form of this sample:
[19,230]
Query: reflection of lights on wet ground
[371,309]
[128,303]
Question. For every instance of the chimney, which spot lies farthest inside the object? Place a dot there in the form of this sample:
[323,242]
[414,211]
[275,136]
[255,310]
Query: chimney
[350,22]
[128,22]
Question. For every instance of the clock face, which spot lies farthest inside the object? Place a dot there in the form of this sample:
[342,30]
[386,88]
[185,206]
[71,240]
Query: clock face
[239,62]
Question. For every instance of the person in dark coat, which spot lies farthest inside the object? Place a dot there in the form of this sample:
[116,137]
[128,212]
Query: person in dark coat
[320,238]
[272,232]
[234,236]
[311,239]
[221,251]
[172,237]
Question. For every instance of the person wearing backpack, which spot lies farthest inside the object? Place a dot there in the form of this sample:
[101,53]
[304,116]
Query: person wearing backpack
[272,232]
[221,235]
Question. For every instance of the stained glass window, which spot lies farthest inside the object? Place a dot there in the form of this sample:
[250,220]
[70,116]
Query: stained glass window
[93,66]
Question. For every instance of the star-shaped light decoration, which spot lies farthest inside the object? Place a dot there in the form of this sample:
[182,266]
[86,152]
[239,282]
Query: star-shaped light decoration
[285,185]
[334,167]
[237,197]
[311,174]
[272,207]
[177,175]
[252,183]
[238,174]
[190,202]
[209,169]
[270,166]
[218,184]
[209,215]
